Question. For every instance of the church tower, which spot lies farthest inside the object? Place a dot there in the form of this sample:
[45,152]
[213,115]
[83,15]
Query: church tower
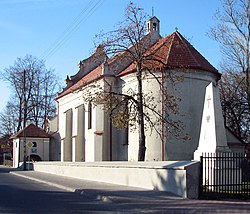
[153,28]
[153,25]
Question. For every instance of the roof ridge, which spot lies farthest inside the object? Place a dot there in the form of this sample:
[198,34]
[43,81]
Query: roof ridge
[187,45]
[171,43]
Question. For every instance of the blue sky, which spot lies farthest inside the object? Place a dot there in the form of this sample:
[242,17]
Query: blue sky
[62,31]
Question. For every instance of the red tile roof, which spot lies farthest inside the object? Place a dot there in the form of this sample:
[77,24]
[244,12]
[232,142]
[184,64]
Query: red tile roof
[31,131]
[183,54]
[172,52]
[93,75]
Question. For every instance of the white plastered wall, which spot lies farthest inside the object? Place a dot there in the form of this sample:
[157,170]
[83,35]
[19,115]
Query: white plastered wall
[93,141]
[42,149]
[191,92]
[153,139]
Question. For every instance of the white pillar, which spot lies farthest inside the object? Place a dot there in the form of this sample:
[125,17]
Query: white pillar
[213,133]
[68,136]
[16,147]
[74,132]
[62,150]
[80,137]
[73,149]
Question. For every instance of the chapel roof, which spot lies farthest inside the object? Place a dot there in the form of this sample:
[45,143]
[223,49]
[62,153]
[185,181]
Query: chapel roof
[171,52]
[31,131]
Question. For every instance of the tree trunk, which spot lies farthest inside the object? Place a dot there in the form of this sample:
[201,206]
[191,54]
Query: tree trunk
[19,126]
[248,86]
[142,147]
[25,110]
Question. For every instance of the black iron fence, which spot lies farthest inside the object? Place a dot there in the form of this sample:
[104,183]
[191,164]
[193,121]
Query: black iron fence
[225,175]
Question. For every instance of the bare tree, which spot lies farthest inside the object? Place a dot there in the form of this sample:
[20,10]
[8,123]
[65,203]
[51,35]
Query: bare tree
[33,88]
[233,33]
[8,119]
[42,101]
[234,104]
[129,46]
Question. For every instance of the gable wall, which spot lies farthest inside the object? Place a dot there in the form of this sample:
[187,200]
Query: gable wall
[42,149]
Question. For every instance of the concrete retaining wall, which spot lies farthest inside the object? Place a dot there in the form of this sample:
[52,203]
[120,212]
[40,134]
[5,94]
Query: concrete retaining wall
[178,177]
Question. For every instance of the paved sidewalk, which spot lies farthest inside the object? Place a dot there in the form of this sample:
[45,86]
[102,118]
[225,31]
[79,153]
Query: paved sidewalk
[137,197]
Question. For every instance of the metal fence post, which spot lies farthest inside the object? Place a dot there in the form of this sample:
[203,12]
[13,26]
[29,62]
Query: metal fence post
[201,178]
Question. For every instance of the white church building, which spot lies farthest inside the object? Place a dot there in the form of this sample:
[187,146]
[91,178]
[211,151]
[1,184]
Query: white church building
[86,131]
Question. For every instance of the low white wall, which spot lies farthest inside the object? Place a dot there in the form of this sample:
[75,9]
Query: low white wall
[178,177]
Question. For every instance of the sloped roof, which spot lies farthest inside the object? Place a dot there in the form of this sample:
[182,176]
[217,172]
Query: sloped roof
[31,131]
[154,17]
[171,52]
[182,54]
[91,76]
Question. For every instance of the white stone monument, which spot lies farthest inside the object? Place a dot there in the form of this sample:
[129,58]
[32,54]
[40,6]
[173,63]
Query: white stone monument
[213,133]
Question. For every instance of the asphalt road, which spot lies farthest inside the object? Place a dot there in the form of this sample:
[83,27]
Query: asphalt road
[20,195]
[23,195]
